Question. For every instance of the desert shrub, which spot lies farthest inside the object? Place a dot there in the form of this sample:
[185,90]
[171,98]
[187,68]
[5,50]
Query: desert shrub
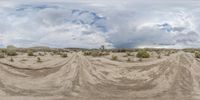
[52,54]
[24,60]
[64,55]
[140,59]
[2,55]
[197,54]
[11,52]
[95,54]
[114,57]
[189,50]
[105,53]
[129,59]
[11,59]
[39,59]
[40,54]
[142,54]
[168,53]
[173,52]
[129,54]
[159,56]
[87,53]
[30,53]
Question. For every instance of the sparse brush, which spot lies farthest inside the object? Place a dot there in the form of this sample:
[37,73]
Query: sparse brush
[159,56]
[87,53]
[39,59]
[129,59]
[140,59]
[168,53]
[173,52]
[24,60]
[64,55]
[142,54]
[30,53]
[105,53]
[95,54]
[114,57]
[197,54]
[40,54]
[2,55]
[11,53]
[128,54]
[52,54]
[189,50]
[11,59]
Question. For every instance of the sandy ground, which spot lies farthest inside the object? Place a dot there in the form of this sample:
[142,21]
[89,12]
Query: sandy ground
[78,77]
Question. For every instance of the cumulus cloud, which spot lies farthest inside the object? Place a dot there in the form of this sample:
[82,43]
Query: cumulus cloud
[92,23]
[52,25]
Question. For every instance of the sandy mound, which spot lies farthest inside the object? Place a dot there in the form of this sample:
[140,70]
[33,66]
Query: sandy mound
[81,78]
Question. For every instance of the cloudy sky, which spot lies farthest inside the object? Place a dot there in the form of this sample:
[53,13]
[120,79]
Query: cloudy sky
[92,23]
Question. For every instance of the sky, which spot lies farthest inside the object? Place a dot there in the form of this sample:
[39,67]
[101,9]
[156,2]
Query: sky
[92,23]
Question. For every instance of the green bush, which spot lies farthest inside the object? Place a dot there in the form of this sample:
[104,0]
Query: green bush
[114,57]
[30,53]
[2,55]
[64,55]
[11,53]
[39,59]
[142,54]
[95,53]
[197,54]
[168,53]
[87,53]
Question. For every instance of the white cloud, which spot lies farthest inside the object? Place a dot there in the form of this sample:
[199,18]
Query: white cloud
[128,23]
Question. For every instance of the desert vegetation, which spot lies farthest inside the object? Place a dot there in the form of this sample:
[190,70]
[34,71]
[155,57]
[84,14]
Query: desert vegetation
[114,57]
[96,53]
[64,55]
[39,59]
[2,55]
[11,52]
[11,59]
[197,54]
[102,65]
[30,53]
[143,54]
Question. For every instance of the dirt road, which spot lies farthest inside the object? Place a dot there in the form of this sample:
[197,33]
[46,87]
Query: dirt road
[83,78]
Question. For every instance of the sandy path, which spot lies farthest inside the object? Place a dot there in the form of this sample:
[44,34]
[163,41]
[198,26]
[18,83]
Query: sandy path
[81,78]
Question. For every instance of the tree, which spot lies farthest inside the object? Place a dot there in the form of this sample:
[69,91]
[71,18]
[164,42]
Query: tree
[102,47]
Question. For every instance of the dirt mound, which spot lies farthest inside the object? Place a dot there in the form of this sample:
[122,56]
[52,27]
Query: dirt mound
[81,78]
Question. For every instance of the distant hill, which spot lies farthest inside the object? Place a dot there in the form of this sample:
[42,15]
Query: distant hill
[40,47]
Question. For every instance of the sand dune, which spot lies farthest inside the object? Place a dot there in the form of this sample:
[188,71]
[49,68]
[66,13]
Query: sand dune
[83,78]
